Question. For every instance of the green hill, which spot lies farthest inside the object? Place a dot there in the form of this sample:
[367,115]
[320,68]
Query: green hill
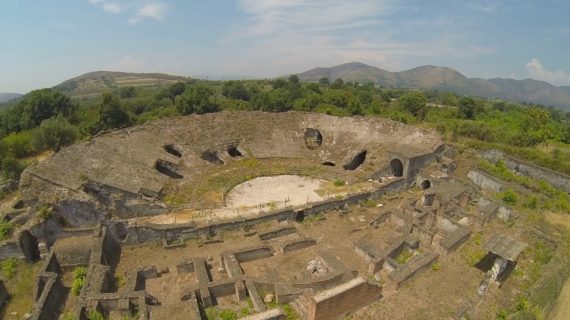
[447,79]
[93,83]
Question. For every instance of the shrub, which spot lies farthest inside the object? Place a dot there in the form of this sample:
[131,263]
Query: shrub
[436,266]
[79,275]
[509,197]
[228,315]
[9,267]
[12,168]
[95,315]
[338,183]
[5,229]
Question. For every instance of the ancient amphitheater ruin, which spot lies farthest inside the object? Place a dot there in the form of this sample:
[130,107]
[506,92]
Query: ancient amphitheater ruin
[270,213]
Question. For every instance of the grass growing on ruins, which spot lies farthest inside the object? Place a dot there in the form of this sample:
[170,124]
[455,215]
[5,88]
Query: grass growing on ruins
[472,252]
[210,190]
[547,196]
[9,267]
[5,229]
[404,256]
[79,275]
[20,286]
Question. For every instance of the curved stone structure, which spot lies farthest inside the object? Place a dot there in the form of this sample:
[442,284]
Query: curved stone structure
[125,171]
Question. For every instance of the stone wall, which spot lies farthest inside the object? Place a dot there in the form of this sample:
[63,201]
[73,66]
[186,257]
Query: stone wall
[147,232]
[557,179]
[484,181]
[49,290]
[333,303]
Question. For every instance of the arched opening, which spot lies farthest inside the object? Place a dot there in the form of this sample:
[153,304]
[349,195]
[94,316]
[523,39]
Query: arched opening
[426,184]
[173,150]
[234,152]
[122,232]
[356,161]
[300,216]
[313,138]
[329,163]
[397,168]
[29,246]
[168,168]
[212,158]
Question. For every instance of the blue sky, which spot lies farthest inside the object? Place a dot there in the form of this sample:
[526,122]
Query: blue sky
[44,42]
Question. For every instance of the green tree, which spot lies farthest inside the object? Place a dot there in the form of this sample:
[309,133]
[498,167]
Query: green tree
[127,92]
[235,90]
[111,114]
[337,84]
[414,102]
[324,81]
[176,89]
[197,99]
[43,104]
[294,79]
[54,134]
[12,168]
[17,144]
[467,108]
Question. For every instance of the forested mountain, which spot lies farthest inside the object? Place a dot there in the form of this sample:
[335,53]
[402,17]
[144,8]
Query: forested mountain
[447,79]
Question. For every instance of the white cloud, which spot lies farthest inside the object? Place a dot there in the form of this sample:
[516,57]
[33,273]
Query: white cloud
[270,16]
[537,71]
[288,35]
[112,7]
[129,64]
[156,11]
[138,10]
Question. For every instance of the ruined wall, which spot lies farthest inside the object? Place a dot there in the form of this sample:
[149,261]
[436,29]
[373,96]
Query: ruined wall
[344,298]
[484,181]
[49,289]
[141,233]
[557,179]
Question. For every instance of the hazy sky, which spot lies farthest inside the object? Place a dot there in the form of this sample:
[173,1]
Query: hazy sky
[44,42]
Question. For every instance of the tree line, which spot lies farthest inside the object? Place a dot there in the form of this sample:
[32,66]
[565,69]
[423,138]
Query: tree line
[49,120]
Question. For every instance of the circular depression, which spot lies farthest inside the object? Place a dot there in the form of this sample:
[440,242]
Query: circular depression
[283,190]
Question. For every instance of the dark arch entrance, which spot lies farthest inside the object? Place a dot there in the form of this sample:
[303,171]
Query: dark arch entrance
[397,167]
[29,246]
[426,184]
[300,216]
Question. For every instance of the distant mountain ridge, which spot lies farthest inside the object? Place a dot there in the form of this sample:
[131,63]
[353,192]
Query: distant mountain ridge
[447,79]
[94,83]
[6,96]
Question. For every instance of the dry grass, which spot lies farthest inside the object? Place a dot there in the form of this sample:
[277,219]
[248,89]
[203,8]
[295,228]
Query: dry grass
[21,288]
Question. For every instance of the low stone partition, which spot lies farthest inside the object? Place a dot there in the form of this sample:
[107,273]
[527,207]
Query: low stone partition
[415,265]
[271,314]
[49,288]
[277,232]
[337,301]
[253,253]
[372,255]
[297,244]
[453,240]
[253,293]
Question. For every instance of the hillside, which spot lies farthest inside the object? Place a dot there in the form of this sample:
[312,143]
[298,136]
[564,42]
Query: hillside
[96,82]
[447,79]
[5,97]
